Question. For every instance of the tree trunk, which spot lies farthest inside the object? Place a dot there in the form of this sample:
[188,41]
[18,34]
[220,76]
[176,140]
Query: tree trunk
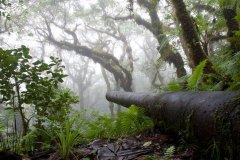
[206,115]
[184,44]
[156,27]
[20,108]
[190,35]
[233,26]
[110,105]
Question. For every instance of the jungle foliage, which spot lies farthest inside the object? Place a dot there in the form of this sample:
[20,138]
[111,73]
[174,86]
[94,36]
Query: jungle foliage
[78,129]
[219,36]
[201,39]
[227,78]
[29,84]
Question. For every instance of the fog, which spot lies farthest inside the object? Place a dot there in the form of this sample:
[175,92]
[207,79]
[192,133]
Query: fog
[99,42]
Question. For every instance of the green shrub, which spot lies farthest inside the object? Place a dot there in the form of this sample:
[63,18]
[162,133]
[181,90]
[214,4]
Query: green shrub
[65,135]
[41,82]
[127,123]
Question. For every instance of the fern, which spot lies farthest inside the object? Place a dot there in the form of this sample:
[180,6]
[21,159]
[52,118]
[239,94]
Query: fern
[28,141]
[213,151]
[229,64]
[169,152]
[193,81]
[67,138]
[123,124]
[133,121]
[177,85]
[100,128]
[174,86]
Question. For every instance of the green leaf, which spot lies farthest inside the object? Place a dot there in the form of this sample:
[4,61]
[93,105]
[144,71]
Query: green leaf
[173,86]
[194,79]
[25,52]
[10,60]
[237,33]
[169,152]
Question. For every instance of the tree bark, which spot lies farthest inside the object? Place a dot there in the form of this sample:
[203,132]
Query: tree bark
[207,115]
[233,26]
[118,35]
[20,108]
[110,104]
[196,52]
[108,61]
[156,27]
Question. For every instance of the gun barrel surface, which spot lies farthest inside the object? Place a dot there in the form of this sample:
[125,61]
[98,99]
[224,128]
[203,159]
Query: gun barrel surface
[174,109]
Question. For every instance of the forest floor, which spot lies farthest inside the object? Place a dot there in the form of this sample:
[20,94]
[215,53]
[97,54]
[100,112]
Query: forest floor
[140,147]
[155,147]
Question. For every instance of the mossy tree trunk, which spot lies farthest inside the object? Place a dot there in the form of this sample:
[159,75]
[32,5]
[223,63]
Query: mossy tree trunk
[190,35]
[156,27]
[233,26]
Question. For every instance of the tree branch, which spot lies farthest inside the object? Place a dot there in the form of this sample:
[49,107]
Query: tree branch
[140,21]
[108,61]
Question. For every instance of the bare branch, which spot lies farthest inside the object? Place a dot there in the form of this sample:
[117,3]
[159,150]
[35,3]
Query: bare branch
[107,60]
[140,21]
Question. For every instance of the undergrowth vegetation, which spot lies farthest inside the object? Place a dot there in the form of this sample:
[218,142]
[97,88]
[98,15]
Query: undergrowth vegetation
[31,91]
[227,66]
[77,129]
[226,78]
[123,124]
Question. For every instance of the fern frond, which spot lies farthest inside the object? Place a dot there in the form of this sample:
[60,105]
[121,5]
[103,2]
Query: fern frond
[174,86]
[123,124]
[169,152]
[196,76]
[177,85]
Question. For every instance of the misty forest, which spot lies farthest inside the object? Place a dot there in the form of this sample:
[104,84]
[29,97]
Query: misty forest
[119,79]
